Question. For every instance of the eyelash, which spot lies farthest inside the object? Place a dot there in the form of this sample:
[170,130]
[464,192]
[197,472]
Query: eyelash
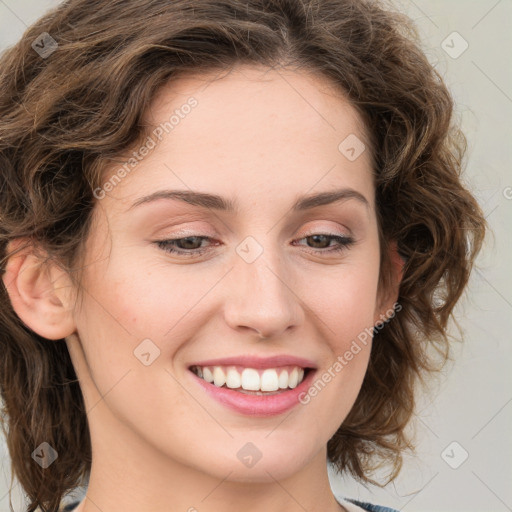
[167,245]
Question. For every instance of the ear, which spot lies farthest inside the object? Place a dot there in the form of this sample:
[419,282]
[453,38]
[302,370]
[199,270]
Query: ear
[389,297]
[40,291]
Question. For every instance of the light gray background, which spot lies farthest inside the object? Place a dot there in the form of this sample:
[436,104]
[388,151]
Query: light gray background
[471,403]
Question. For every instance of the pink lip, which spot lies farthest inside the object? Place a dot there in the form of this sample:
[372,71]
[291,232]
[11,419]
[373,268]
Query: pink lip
[257,405]
[258,362]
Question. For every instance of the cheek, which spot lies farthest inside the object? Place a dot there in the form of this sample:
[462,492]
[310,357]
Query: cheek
[345,298]
[346,305]
[123,311]
[145,301]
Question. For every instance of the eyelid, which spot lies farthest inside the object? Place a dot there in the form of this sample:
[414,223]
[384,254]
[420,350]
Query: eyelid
[335,229]
[184,233]
[329,232]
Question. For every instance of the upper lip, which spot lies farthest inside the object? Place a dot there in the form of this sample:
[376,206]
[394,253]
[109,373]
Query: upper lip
[258,362]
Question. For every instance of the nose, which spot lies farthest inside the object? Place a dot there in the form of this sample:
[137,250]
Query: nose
[260,297]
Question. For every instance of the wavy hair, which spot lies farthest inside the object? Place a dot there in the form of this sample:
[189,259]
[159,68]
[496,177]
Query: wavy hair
[67,111]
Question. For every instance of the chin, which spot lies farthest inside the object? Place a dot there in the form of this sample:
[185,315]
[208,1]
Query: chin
[268,462]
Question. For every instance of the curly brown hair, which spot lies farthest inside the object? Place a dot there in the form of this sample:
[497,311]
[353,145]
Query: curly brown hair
[67,113]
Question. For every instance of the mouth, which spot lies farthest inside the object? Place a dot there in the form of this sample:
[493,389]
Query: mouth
[254,386]
[252,381]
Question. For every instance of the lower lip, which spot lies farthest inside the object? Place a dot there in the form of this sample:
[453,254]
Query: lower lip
[257,405]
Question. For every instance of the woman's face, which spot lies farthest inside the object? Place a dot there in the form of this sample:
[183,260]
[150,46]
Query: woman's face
[257,287]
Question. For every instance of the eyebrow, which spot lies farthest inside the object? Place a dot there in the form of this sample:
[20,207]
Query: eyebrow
[220,203]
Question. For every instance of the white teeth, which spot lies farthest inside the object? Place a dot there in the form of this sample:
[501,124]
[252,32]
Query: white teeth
[251,379]
[293,378]
[269,381]
[219,377]
[233,379]
[207,374]
[283,379]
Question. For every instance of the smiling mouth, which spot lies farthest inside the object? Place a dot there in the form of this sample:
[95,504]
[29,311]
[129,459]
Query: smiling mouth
[252,381]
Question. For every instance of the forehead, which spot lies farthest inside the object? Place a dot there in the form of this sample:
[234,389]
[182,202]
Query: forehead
[253,131]
[255,100]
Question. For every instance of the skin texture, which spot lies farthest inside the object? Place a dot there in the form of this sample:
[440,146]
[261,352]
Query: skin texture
[261,138]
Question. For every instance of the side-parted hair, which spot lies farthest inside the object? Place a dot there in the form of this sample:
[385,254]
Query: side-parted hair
[73,94]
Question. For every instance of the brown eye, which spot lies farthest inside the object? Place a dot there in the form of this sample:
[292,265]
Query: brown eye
[187,246]
[321,242]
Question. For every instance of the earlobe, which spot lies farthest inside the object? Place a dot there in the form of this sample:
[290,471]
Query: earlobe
[387,306]
[39,293]
[397,262]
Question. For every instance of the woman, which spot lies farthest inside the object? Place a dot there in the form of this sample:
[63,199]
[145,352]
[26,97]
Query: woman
[230,234]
